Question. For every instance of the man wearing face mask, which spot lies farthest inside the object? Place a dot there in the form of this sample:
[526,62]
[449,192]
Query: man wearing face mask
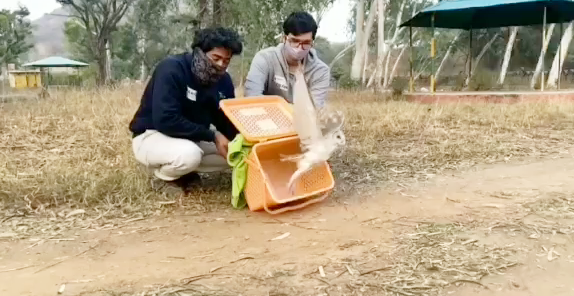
[271,71]
[171,128]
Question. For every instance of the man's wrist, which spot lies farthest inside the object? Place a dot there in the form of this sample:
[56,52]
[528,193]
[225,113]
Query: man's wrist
[212,136]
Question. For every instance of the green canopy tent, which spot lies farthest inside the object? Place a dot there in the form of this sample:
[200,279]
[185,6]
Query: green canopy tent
[480,14]
[56,62]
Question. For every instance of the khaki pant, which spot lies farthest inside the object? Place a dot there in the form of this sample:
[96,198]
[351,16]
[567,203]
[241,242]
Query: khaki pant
[171,158]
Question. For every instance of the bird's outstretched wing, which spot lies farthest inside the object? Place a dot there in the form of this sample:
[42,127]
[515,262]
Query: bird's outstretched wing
[305,119]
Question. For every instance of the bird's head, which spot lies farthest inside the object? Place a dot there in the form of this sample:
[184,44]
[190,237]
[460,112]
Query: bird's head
[338,138]
[331,121]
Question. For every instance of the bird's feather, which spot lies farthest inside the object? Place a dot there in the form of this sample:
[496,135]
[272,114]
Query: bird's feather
[319,131]
[305,119]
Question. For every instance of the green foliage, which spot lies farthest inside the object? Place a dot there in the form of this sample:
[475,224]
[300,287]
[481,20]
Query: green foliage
[166,27]
[78,42]
[98,20]
[260,21]
[345,82]
[67,79]
[15,32]
[152,31]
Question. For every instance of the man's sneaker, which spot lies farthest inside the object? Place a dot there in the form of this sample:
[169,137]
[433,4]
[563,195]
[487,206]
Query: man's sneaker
[188,181]
[178,186]
[169,188]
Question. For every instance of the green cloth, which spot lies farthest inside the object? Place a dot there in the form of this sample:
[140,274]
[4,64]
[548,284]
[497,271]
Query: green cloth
[238,151]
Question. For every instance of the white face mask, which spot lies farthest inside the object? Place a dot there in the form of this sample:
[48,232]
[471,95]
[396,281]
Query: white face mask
[295,53]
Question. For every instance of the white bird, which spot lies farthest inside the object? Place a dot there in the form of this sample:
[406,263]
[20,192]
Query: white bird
[320,132]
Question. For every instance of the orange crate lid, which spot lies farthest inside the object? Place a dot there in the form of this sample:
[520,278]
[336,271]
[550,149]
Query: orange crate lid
[260,118]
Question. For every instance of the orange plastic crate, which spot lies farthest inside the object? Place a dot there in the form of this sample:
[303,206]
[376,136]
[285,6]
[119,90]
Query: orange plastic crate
[267,122]
[260,119]
[267,178]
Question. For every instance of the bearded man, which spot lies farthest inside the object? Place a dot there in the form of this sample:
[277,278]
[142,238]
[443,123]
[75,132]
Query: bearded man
[171,128]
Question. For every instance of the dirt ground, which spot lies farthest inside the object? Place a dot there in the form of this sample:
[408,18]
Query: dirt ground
[518,211]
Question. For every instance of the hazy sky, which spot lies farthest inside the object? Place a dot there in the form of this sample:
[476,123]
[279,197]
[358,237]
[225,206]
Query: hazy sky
[37,7]
[332,27]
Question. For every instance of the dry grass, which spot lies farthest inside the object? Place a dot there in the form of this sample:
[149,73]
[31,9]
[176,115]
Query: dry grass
[556,205]
[437,256]
[74,149]
[164,291]
[396,139]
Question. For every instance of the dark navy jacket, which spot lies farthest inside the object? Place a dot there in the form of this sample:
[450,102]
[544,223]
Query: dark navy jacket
[174,103]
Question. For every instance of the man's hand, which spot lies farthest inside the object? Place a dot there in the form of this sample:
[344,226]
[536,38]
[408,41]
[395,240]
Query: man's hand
[221,143]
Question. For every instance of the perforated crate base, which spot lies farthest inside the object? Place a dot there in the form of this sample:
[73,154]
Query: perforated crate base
[267,157]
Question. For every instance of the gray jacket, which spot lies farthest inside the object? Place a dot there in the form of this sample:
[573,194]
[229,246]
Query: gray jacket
[269,75]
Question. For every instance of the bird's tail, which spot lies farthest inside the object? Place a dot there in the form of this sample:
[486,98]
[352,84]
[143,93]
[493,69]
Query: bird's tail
[297,176]
[292,181]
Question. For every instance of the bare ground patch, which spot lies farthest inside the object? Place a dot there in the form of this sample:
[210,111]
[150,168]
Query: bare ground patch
[66,169]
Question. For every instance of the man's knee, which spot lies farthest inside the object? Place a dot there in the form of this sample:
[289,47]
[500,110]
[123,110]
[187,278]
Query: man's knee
[187,158]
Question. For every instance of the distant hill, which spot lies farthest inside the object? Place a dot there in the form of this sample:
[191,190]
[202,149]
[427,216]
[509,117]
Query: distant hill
[49,38]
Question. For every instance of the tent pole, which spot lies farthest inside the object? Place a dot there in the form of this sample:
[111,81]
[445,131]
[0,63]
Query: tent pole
[543,42]
[433,49]
[412,80]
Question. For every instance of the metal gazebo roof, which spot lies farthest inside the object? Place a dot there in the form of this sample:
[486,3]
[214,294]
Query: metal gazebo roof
[478,14]
[55,61]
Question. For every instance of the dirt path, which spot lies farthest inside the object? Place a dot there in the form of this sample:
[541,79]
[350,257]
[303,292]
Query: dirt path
[232,252]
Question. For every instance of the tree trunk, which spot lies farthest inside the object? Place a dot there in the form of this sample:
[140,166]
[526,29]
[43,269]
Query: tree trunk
[381,44]
[203,13]
[101,79]
[141,50]
[360,24]
[507,55]
[479,57]
[102,63]
[543,50]
[372,78]
[559,57]
[359,35]
[108,62]
[357,65]
[387,73]
[217,12]
[446,56]
[365,67]
[392,42]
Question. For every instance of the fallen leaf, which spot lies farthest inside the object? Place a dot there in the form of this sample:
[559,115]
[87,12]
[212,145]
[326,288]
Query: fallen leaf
[497,206]
[550,254]
[321,271]
[75,213]
[470,241]
[349,269]
[7,235]
[283,236]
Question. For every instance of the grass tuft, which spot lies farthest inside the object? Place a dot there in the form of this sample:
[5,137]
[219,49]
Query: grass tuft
[74,148]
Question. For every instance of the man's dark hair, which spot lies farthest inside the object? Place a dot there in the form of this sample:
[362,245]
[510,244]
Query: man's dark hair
[210,38]
[300,22]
